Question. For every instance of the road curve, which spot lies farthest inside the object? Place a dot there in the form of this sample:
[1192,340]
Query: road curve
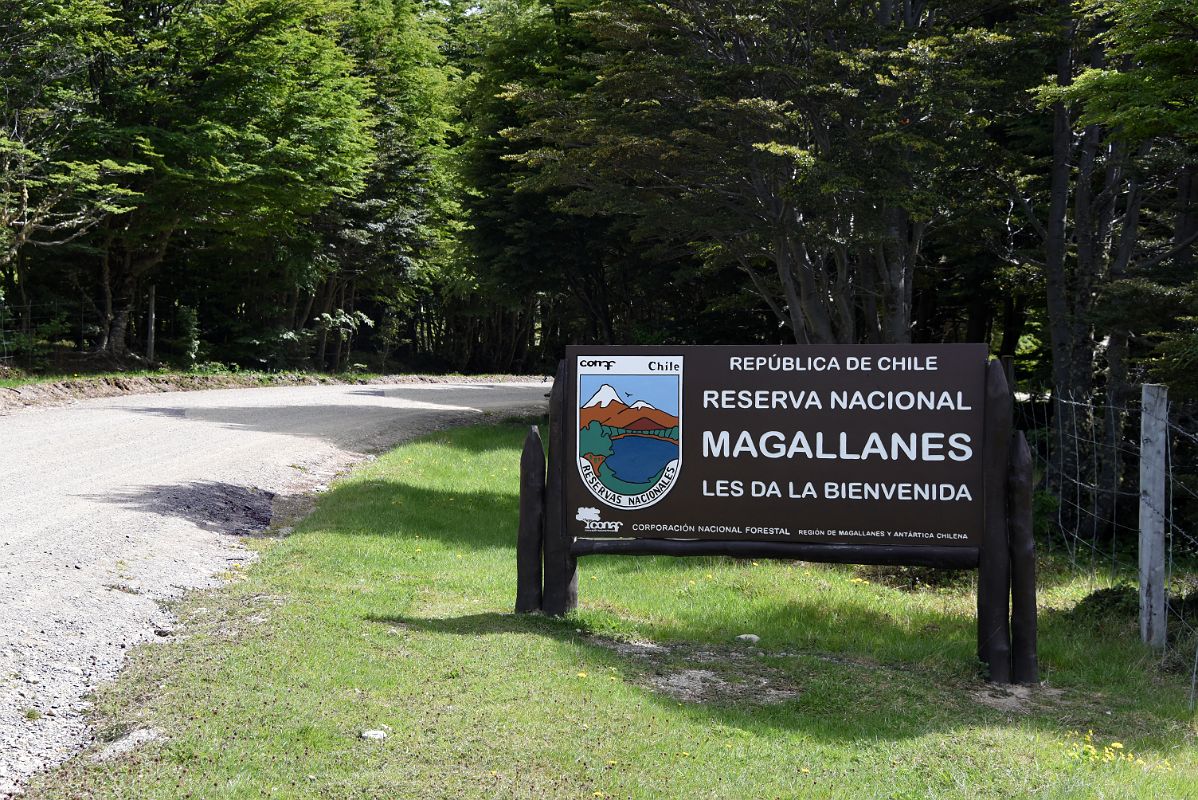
[108,507]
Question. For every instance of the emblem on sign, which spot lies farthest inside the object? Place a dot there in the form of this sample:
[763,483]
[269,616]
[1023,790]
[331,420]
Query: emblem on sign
[629,449]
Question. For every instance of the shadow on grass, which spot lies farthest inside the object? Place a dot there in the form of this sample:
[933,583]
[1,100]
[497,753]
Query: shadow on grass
[829,697]
[517,422]
[469,520]
[481,520]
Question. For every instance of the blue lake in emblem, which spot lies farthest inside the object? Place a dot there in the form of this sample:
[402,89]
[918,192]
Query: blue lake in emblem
[638,459]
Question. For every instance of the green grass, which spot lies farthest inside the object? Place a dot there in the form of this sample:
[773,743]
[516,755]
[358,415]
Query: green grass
[31,379]
[248,376]
[389,608]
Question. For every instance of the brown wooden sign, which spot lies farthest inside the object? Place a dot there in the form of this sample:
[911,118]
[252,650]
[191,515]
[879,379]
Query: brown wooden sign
[876,445]
[860,454]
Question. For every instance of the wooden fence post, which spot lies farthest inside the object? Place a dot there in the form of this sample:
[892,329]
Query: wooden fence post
[994,564]
[1154,434]
[532,524]
[1025,666]
[561,568]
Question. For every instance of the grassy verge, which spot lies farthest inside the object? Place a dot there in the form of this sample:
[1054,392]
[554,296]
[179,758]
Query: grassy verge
[388,609]
[23,379]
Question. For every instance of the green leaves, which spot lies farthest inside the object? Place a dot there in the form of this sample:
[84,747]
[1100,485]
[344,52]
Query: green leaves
[1148,86]
[791,137]
[252,108]
[50,191]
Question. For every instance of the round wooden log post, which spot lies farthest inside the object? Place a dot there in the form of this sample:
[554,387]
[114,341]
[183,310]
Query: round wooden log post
[1025,666]
[532,524]
[994,562]
[561,568]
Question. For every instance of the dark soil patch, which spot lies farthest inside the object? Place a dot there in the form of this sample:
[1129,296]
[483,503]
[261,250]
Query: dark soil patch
[706,674]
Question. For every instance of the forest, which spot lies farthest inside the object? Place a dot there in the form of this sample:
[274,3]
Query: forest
[470,185]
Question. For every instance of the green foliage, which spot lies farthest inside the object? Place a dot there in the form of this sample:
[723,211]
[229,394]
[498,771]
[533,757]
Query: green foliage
[487,182]
[247,111]
[527,263]
[189,343]
[1045,506]
[1148,86]
[33,346]
[268,162]
[807,146]
[1176,360]
[50,191]
[595,440]
[344,324]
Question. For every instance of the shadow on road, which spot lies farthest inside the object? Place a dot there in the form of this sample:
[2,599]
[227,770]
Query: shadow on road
[210,505]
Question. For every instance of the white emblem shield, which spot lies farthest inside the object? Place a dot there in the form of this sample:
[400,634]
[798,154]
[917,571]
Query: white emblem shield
[629,450]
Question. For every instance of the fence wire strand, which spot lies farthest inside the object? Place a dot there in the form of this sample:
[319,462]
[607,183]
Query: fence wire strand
[1087,456]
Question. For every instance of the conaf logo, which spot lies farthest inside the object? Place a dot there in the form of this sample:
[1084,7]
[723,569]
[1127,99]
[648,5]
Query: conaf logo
[590,516]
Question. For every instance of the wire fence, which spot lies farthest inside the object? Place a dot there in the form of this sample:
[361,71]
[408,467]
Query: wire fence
[1087,458]
[35,336]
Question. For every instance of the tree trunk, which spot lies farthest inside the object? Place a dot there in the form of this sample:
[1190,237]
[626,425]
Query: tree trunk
[1186,221]
[118,328]
[1058,302]
[1064,462]
[1118,389]
[150,320]
[106,289]
[1013,319]
[119,290]
[327,307]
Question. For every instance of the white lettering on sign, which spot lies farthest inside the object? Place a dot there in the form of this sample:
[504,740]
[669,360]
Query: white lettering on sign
[928,446]
[780,363]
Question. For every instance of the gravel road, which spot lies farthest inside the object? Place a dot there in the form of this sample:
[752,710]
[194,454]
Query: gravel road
[109,507]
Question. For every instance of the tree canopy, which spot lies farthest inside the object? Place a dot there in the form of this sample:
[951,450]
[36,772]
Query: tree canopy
[413,184]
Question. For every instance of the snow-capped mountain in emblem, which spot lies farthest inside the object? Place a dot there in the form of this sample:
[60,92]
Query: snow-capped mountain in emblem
[604,397]
[606,408]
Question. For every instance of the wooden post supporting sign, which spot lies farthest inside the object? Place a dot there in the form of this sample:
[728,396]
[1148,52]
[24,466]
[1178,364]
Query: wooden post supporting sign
[994,567]
[561,571]
[1024,662]
[532,524]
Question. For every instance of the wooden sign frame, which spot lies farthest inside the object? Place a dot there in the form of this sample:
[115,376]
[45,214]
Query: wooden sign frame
[547,557]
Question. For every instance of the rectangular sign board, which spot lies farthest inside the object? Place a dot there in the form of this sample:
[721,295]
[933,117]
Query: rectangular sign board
[853,444]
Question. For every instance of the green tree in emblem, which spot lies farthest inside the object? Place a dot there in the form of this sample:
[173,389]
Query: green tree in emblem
[594,441]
